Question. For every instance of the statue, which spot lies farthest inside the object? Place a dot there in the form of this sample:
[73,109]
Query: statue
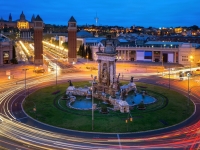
[104,75]
[70,83]
[123,94]
[131,79]
[94,78]
[118,78]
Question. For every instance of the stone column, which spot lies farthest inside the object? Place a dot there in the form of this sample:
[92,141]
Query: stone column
[128,55]
[1,57]
[152,56]
[10,52]
[161,56]
[111,71]
[135,55]
[99,70]
[118,54]
[174,57]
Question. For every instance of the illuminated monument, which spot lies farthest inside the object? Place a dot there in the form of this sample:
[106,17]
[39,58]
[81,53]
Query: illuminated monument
[72,28]
[38,34]
[22,24]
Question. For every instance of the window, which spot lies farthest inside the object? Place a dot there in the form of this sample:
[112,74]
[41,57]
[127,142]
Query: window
[184,58]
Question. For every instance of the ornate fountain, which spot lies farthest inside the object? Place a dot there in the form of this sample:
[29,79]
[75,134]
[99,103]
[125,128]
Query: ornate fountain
[108,86]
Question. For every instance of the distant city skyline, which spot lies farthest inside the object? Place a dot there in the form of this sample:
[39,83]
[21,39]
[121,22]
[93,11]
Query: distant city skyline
[127,13]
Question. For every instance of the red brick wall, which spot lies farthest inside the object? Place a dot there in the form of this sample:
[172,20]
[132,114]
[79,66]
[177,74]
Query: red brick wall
[38,34]
[72,44]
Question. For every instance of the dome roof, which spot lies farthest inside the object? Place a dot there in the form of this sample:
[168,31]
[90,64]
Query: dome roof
[83,33]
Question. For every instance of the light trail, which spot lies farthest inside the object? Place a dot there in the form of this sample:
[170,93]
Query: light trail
[42,139]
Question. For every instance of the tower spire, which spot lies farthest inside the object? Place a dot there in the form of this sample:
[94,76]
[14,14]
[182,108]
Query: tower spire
[96,19]
[10,18]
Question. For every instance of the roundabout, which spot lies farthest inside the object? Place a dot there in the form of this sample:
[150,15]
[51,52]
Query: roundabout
[169,109]
[28,133]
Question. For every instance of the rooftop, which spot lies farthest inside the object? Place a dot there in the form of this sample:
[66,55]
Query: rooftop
[72,19]
[163,43]
[3,38]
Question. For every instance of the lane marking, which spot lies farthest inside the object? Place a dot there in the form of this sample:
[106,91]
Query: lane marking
[21,118]
[119,142]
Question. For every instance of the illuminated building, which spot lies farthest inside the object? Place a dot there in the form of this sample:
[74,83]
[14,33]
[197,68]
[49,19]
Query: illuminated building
[178,30]
[22,24]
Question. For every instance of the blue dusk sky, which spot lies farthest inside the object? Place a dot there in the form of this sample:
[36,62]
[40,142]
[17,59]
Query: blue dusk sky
[155,13]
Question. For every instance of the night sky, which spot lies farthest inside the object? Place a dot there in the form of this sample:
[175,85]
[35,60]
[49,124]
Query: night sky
[155,13]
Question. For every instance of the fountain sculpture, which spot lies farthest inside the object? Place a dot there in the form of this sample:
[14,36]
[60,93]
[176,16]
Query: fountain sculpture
[108,86]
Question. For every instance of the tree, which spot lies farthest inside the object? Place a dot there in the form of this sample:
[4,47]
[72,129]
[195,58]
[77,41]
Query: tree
[55,42]
[194,27]
[14,53]
[89,53]
[80,50]
[65,45]
[86,52]
[83,51]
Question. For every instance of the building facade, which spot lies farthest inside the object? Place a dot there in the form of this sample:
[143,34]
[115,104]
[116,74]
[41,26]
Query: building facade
[6,50]
[155,51]
[22,24]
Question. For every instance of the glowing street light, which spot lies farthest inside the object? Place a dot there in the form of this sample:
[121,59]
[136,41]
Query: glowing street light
[191,60]
[189,74]
[87,58]
[129,119]
[25,79]
[93,81]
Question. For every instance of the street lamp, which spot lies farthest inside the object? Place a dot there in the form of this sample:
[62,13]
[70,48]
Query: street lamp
[191,60]
[93,81]
[56,70]
[169,77]
[188,74]
[87,58]
[25,79]
[129,118]
[162,65]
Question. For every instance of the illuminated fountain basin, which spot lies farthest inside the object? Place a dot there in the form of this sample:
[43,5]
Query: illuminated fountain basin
[82,103]
[132,99]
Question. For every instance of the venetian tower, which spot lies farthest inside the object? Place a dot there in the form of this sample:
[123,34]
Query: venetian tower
[107,63]
[38,46]
[72,28]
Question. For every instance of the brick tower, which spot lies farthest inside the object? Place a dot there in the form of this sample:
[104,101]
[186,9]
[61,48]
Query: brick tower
[38,34]
[72,28]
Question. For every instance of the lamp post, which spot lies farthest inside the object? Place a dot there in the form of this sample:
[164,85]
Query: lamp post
[129,118]
[93,81]
[188,74]
[191,60]
[87,59]
[56,70]
[162,61]
[169,77]
[25,79]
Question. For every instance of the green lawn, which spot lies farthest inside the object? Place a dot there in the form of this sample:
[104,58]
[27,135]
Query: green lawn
[170,108]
